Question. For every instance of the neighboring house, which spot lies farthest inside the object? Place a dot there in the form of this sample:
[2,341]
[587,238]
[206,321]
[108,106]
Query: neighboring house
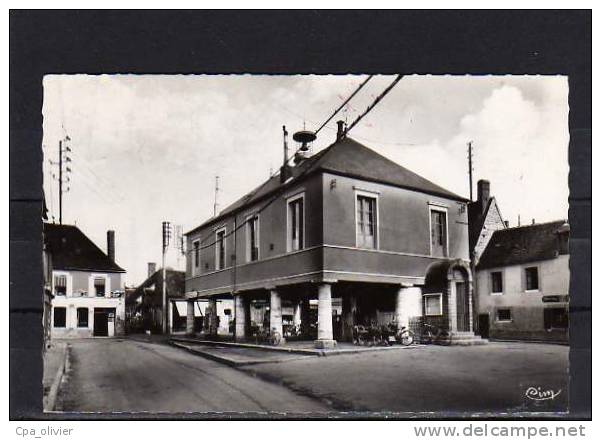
[87,284]
[145,303]
[484,219]
[523,283]
[344,226]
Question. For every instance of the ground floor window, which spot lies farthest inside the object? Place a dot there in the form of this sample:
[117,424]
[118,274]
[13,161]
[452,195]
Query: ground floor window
[556,317]
[60,317]
[433,304]
[504,315]
[82,317]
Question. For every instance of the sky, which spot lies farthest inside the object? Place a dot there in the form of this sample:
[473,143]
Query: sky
[147,148]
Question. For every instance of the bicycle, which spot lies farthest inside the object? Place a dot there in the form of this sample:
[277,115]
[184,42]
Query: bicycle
[432,334]
[402,335]
[271,337]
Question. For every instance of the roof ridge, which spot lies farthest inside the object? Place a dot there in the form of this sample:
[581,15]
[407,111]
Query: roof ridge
[534,225]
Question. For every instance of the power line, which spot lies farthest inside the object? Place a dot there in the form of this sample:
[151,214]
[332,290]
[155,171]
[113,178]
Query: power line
[344,103]
[280,190]
[373,104]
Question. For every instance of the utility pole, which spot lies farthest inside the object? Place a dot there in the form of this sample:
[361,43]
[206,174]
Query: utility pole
[166,239]
[60,182]
[471,169]
[215,204]
[63,159]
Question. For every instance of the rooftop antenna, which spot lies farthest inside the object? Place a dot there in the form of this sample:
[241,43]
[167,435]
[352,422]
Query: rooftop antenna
[216,204]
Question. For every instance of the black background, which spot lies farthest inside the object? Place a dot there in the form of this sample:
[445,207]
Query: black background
[278,42]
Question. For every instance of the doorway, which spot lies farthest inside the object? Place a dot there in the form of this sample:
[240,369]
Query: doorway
[483,325]
[463,309]
[104,322]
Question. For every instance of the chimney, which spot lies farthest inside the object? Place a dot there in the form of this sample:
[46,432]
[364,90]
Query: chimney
[506,223]
[152,268]
[110,245]
[533,222]
[285,169]
[340,134]
[483,193]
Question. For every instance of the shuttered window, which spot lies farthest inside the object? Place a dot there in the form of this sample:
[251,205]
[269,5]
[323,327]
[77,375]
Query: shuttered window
[60,285]
[99,286]
[296,227]
[366,222]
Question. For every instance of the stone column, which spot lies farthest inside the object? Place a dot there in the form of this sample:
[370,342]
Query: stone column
[190,317]
[240,315]
[296,318]
[325,335]
[408,304]
[275,312]
[212,317]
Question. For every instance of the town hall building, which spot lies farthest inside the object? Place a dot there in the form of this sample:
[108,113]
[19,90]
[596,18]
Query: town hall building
[344,237]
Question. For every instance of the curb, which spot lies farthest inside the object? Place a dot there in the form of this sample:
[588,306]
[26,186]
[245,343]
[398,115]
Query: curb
[49,401]
[301,351]
[228,361]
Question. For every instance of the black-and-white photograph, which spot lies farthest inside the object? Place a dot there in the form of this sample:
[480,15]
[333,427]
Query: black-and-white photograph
[306,244]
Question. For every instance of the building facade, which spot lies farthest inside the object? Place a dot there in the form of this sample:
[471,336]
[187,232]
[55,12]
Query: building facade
[87,285]
[523,283]
[345,226]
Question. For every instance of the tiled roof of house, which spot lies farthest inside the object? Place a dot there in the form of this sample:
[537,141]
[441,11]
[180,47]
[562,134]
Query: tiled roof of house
[526,244]
[175,287]
[71,249]
[346,157]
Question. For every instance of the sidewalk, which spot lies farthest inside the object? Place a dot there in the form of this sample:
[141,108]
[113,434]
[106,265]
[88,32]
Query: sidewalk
[55,360]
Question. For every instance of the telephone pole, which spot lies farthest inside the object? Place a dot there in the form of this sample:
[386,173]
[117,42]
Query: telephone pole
[63,160]
[60,182]
[471,169]
[166,239]
[216,204]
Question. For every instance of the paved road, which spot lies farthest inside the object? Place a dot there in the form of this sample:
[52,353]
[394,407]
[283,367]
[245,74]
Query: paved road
[491,378]
[109,375]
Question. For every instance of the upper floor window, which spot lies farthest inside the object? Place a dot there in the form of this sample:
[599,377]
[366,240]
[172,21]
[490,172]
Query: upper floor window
[60,285]
[366,221]
[438,232]
[496,282]
[220,249]
[531,278]
[252,238]
[99,286]
[196,253]
[296,223]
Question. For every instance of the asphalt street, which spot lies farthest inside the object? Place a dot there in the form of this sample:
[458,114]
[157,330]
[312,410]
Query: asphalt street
[120,375]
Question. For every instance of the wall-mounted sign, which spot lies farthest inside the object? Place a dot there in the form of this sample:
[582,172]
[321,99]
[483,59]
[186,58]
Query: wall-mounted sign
[555,298]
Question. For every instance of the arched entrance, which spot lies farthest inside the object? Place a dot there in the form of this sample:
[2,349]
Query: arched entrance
[452,280]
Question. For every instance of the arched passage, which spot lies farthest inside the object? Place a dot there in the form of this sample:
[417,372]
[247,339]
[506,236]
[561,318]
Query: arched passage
[448,296]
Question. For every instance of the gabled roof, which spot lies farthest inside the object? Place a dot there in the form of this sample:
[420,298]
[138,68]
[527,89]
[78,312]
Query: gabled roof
[71,249]
[345,157]
[477,217]
[526,244]
[176,280]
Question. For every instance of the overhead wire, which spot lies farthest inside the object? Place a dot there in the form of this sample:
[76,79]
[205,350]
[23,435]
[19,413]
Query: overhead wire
[281,188]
